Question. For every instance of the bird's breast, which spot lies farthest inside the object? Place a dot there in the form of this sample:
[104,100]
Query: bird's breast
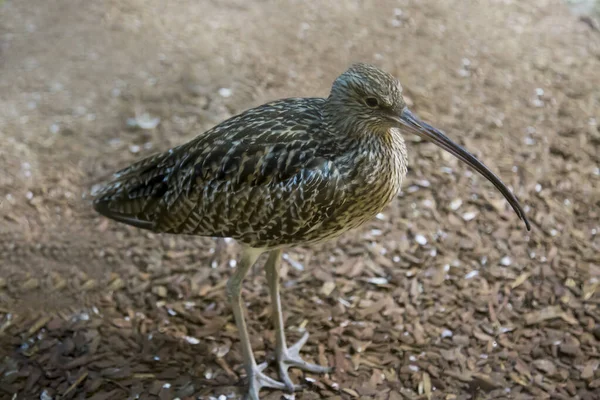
[374,180]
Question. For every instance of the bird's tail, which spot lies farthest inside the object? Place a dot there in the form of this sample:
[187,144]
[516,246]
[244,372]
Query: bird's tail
[133,195]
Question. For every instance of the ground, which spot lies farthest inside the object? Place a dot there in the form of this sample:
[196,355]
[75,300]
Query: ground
[444,295]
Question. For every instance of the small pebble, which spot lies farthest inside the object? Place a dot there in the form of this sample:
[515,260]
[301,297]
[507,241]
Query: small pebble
[446,333]
[468,216]
[455,204]
[420,239]
[506,261]
[378,281]
[225,92]
[192,340]
[471,274]
[295,264]
[145,121]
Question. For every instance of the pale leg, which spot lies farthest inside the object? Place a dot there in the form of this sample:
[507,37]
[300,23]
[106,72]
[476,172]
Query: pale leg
[256,378]
[286,357]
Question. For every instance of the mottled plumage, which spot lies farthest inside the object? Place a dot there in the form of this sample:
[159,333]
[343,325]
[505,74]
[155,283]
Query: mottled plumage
[286,173]
[289,172]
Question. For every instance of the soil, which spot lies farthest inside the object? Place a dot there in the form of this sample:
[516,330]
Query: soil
[445,295]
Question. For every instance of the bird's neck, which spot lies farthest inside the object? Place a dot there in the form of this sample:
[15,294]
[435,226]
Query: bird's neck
[373,167]
[375,156]
[368,148]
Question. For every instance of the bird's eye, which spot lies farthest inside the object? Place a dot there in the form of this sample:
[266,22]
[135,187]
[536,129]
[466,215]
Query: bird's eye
[371,102]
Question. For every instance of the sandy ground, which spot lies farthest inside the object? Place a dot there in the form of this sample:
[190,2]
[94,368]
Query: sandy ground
[443,296]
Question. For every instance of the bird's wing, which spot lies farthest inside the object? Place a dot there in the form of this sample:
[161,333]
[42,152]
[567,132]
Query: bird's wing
[257,175]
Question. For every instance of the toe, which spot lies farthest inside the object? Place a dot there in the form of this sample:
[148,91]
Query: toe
[308,367]
[295,349]
[259,380]
[268,382]
[285,377]
[262,367]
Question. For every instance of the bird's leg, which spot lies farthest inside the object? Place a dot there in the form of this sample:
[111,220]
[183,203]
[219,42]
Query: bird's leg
[286,357]
[256,378]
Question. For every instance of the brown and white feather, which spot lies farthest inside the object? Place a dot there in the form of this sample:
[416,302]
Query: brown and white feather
[285,173]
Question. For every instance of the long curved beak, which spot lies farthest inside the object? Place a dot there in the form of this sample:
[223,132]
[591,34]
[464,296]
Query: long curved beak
[428,132]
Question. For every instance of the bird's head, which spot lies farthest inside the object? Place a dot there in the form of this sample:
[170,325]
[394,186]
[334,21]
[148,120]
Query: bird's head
[367,100]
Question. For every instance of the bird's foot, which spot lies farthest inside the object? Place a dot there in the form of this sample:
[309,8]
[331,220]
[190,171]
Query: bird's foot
[258,380]
[290,358]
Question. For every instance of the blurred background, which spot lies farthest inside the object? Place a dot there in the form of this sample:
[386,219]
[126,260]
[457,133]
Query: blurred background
[443,296]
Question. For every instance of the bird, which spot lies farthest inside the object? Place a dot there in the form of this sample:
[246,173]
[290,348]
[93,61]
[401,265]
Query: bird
[291,172]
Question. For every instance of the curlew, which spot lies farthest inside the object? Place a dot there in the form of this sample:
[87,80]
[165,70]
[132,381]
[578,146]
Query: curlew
[288,173]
